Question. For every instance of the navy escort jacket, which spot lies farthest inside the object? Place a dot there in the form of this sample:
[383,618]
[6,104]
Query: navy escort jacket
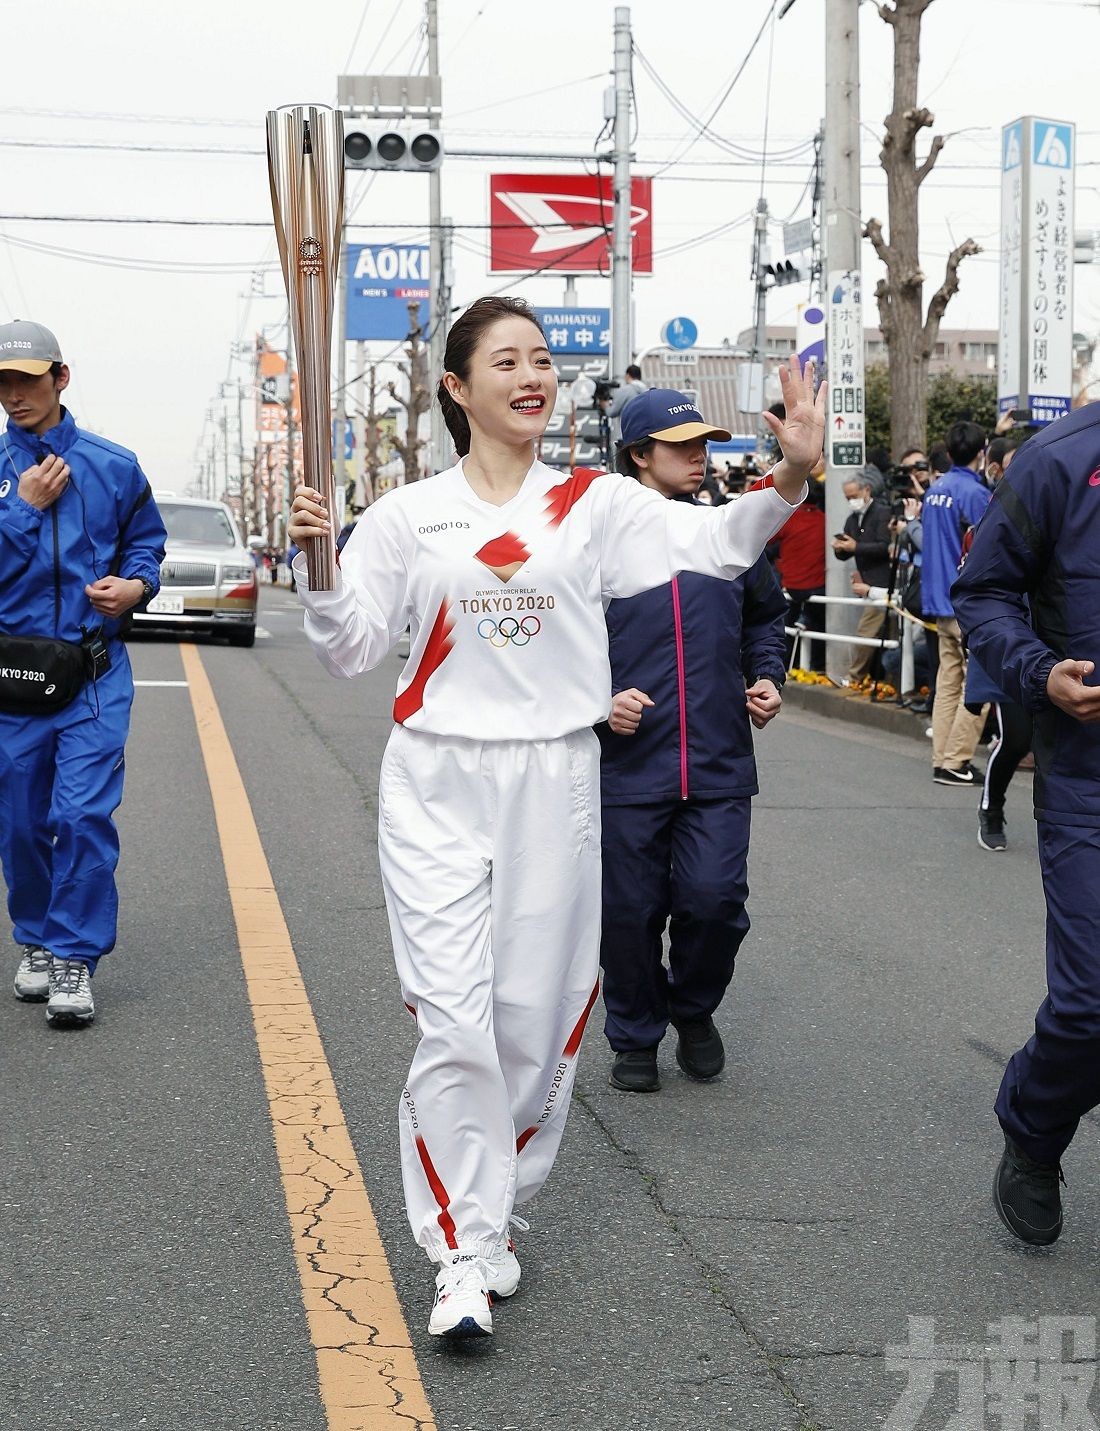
[693,646]
[1039,543]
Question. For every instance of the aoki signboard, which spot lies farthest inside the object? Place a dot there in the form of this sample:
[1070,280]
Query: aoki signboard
[562,223]
[1035,349]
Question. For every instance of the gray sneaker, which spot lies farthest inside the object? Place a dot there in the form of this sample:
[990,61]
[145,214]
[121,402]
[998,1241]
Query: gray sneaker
[32,978]
[70,993]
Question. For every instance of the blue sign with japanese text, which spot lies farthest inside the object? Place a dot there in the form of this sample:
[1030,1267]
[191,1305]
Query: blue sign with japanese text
[576,330]
[382,281]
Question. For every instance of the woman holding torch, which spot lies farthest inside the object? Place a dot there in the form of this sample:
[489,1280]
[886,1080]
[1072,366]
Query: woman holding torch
[489,798]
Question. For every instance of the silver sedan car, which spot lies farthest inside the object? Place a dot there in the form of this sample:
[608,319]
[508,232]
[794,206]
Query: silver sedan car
[207,578]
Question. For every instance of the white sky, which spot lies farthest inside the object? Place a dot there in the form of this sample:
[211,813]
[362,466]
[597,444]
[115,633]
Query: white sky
[148,327]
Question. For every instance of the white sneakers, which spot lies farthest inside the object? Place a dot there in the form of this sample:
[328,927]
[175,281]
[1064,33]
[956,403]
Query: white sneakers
[463,1307]
[32,978]
[66,983]
[467,1285]
[70,993]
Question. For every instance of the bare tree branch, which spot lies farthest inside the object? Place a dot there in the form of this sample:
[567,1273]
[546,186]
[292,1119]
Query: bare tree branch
[924,169]
[948,288]
[872,230]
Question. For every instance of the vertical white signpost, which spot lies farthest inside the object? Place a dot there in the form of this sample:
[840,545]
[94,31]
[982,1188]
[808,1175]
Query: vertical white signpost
[845,425]
[1035,353]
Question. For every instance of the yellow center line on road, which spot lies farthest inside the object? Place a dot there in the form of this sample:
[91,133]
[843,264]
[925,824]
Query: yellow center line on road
[368,1374]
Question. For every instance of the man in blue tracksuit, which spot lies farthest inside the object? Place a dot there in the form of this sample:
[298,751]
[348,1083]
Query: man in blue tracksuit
[81,543]
[1036,549]
[953,503]
[691,663]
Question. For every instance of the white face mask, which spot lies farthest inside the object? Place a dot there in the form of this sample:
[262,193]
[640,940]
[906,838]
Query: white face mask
[858,504]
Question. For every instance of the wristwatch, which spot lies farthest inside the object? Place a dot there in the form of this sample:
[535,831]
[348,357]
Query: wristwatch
[148,590]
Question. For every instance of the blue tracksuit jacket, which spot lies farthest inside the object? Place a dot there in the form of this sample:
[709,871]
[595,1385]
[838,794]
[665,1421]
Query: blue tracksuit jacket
[693,646]
[108,501]
[1040,543]
[955,501]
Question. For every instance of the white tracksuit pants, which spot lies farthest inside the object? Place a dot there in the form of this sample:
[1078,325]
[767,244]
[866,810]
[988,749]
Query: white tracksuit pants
[490,859]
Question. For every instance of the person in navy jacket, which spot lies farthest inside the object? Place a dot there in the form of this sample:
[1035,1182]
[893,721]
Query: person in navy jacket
[692,663]
[1028,600]
[81,543]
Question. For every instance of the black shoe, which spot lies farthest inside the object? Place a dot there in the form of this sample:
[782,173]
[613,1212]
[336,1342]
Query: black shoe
[965,776]
[699,1050]
[921,708]
[991,830]
[635,1071]
[1027,1197]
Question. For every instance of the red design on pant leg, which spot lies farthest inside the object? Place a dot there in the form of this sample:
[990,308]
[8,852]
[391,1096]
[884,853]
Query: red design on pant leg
[561,500]
[578,1033]
[569,1051]
[436,651]
[504,555]
[411,1010]
[439,1192]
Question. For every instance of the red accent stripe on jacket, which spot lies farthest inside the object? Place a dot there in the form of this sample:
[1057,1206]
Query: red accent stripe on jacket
[561,500]
[436,651]
[439,1192]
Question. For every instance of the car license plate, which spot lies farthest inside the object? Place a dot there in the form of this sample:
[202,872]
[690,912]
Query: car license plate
[164,604]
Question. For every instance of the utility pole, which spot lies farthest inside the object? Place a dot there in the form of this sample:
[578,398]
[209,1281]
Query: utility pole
[843,230]
[760,261]
[439,316]
[622,348]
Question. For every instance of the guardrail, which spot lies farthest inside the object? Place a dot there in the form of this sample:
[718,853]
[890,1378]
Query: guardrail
[800,652]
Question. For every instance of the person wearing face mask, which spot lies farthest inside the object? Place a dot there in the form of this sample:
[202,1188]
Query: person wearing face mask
[866,538]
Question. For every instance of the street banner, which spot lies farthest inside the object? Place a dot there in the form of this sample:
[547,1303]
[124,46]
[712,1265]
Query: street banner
[382,280]
[1035,347]
[845,425]
[576,330]
[562,223]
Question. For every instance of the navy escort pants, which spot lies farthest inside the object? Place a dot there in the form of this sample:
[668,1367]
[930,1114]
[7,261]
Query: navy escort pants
[684,864]
[1055,1078]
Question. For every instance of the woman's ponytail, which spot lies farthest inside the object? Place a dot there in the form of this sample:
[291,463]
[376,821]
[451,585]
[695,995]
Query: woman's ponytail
[457,423]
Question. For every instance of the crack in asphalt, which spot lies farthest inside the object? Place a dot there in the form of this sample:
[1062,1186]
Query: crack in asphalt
[711,1273]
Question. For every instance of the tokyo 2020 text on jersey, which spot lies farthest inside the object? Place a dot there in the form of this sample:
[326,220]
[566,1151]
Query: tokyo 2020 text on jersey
[506,602]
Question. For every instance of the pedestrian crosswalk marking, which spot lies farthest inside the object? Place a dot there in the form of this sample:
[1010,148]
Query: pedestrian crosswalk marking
[369,1379]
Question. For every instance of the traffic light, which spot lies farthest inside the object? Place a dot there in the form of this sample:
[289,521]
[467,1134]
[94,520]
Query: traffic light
[782,273]
[383,144]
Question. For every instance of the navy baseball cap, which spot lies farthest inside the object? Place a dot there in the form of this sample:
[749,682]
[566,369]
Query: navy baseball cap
[668,416]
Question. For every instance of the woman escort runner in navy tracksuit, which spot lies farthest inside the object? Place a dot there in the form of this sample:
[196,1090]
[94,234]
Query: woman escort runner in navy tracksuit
[691,662]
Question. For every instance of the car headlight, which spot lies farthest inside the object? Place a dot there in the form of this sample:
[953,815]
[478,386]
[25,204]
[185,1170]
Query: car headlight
[235,575]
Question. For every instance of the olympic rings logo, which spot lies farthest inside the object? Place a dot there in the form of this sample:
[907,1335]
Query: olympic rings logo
[509,630]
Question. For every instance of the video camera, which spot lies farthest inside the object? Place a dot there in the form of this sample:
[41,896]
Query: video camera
[604,388]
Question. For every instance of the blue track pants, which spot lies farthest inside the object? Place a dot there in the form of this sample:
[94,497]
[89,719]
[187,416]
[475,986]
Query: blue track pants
[60,783]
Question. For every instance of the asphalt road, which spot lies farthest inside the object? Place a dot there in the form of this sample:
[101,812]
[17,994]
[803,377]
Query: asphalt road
[738,1255]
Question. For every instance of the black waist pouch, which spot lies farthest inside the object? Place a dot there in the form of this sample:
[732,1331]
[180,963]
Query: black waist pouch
[40,674]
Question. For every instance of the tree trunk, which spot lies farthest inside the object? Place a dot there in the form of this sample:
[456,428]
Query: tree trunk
[909,333]
[418,400]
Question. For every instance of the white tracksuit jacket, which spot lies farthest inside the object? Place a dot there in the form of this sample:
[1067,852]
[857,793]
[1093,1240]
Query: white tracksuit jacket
[489,806]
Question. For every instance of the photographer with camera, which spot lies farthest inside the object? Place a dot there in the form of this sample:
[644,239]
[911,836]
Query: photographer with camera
[866,537]
[612,397]
[81,543]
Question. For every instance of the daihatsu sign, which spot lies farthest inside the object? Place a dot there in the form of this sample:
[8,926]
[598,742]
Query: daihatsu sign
[562,223]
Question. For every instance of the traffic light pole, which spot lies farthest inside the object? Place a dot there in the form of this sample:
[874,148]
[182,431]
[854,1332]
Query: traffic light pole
[622,346]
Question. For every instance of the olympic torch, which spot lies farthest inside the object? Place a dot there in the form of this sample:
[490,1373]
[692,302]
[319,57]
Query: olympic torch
[305,163]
